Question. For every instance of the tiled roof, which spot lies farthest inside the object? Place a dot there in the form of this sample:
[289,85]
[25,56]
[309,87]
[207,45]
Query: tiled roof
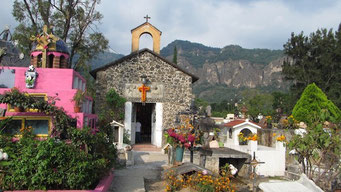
[237,122]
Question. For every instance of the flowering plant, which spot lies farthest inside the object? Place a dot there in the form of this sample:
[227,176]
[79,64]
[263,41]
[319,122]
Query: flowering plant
[182,135]
[199,181]
[279,138]
[268,119]
[252,137]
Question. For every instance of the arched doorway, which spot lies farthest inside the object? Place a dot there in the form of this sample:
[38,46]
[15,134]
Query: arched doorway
[246,133]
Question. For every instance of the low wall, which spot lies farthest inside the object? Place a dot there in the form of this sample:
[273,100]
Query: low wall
[274,163]
[266,138]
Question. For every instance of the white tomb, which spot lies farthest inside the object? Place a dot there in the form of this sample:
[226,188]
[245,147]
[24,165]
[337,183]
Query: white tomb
[273,157]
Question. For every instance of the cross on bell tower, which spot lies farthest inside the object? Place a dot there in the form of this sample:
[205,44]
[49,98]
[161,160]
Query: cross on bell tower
[145,28]
[146,17]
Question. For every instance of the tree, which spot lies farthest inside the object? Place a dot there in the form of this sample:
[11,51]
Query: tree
[315,59]
[71,20]
[257,102]
[283,101]
[312,102]
[175,56]
[319,151]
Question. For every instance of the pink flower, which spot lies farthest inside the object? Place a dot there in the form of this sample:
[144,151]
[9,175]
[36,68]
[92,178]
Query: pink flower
[191,138]
[169,131]
[181,138]
[187,145]
[173,134]
[204,172]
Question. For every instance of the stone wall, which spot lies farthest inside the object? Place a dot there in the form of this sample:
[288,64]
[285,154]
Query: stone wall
[177,86]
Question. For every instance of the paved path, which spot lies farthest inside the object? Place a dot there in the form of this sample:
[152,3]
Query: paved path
[148,167]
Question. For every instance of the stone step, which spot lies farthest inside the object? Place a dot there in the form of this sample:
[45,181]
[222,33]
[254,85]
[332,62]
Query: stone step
[146,147]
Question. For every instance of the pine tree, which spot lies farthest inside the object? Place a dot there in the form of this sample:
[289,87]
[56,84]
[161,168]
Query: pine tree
[175,56]
[315,59]
[311,103]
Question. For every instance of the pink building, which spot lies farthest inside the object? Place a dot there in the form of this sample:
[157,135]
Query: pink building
[50,79]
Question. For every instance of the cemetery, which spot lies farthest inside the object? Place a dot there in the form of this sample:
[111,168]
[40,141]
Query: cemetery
[135,124]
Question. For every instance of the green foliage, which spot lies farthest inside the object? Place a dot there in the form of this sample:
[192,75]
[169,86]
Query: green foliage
[78,97]
[283,101]
[4,123]
[175,56]
[95,142]
[56,164]
[311,103]
[201,104]
[61,121]
[257,102]
[52,164]
[315,59]
[112,109]
[114,99]
[319,150]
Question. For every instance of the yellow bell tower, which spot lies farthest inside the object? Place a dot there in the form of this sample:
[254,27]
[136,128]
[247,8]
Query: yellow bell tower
[149,29]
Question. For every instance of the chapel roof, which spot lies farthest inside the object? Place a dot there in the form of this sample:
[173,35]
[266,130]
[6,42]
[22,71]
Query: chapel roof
[136,53]
[238,122]
[146,23]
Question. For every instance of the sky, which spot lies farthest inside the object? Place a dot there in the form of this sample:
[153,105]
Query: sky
[214,23]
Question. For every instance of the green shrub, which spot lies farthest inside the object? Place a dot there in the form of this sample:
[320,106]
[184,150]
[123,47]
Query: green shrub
[310,104]
[52,164]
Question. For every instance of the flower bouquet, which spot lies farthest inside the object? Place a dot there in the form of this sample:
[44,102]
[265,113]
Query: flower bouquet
[181,137]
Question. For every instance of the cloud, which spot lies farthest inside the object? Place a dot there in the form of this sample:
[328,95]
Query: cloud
[251,24]
[216,23]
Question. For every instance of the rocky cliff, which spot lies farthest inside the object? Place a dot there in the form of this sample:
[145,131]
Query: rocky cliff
[237,70]
[222,71]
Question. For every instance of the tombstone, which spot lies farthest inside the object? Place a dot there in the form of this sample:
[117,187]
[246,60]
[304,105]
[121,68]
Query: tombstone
[208,111]
[214,144]
[206,125]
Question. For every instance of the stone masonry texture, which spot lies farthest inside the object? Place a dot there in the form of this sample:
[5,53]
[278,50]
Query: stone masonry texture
[177,94]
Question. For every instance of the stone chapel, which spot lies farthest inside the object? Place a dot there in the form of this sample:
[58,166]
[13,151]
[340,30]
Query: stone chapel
[156,89]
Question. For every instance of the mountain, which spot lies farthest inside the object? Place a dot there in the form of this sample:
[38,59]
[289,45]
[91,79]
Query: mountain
[223,72]
[104,58]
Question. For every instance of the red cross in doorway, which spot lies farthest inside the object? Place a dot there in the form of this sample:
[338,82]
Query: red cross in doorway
[143,89]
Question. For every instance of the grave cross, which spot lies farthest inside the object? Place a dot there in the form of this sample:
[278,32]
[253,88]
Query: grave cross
[254,164]
[146,17]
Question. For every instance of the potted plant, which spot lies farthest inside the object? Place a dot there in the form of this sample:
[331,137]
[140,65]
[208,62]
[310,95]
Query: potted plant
[18,100]
[78,99]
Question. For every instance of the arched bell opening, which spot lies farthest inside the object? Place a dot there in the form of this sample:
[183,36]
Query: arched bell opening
[146,41]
